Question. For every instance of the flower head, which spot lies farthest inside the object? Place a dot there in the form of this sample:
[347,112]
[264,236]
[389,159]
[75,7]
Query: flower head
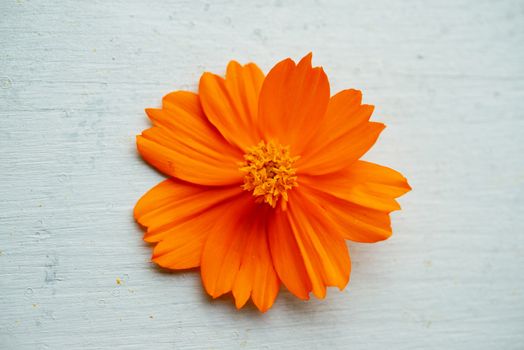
[270,172]
[265,182]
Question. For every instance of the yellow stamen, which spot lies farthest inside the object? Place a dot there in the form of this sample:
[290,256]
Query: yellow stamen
[269,172]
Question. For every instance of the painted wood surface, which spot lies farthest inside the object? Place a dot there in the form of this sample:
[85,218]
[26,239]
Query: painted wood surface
[447,77]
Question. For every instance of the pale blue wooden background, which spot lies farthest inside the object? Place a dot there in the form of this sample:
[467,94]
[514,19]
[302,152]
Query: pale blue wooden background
[447,78]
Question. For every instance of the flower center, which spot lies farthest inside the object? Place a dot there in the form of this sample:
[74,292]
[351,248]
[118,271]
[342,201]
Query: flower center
[269,172]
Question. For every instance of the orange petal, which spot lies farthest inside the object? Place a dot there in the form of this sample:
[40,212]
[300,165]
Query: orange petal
[165,155]
[185,145]
[256,276]
[286,255]
[181,245]
[363,183]
[324,251]
[222,254]
[344,112]
[183,116]
[351,221]
[173,202]
[231,104]
[343,137]
[293,101]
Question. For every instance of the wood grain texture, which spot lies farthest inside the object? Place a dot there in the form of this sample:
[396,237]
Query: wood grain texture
[447,77]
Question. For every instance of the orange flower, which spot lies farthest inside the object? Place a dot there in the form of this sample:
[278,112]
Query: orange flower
[265,182]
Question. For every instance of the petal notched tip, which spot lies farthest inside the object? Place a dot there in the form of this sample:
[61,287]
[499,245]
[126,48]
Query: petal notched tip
[240,302]
[407,186]
[263,309]
[152,112]
[306,60]
[378,125]
[233,65]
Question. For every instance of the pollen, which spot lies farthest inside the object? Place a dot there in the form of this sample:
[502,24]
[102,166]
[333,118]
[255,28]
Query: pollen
[269,172]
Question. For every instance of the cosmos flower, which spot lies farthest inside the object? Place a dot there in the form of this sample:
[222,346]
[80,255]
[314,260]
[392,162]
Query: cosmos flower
[265,182]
